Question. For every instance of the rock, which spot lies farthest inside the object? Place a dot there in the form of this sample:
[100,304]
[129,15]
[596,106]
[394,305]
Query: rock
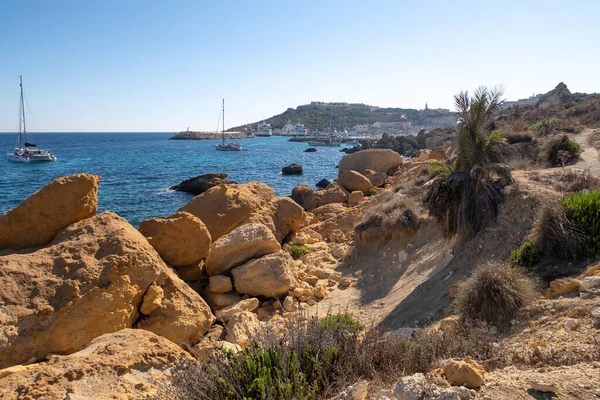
[454,287]
[352,181]
[590,283]
[245,305]
[193,272]
[218,301]
[323,183]
[571,324]
[561,287]
[181,239]
[301,194]
[240,245]
[412,387]
[282,216]
[224,207]
[305,236]
[38,219]
[90,280]
[541,386]
[269,276]
[206,350]
[355,198]
[219,284]
[358,391]
[130,363]
[310,150]
[292,169]
[345,221]
[559,95]
[377,179]
[378,160]
[288,303]
[241,327]
[466,372]
[448,326]
[333,194]
[327,211]
[152,299]
[202,183]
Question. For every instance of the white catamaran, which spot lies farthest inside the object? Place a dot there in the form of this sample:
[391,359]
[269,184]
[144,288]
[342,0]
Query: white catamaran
[231,146]
[24,151]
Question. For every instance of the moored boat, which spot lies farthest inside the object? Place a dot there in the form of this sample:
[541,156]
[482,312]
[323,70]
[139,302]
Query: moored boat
[264,130]
[231,146]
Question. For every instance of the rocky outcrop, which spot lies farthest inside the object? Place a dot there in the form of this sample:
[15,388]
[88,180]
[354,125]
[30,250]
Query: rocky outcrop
[268,276]
[57,205]
[354,181]
[226,314]
[292,169]
[224,207]
[343,222]
[378,160]
[329,210]
[310,150]
[90,280]
[377,179]
[181,239]
[559,95]
[281,216]
[333,194]
[241,328]
[302,193]
[355,198]
[240,245]
[202,183]
[323,183]
[131,364]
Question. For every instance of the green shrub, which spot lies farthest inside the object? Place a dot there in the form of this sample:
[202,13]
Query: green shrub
[371,192]
[494,294]
[563,150]
[527,255]
[341,322]
[583,211]
[440,169]
[544,126]
[299,250]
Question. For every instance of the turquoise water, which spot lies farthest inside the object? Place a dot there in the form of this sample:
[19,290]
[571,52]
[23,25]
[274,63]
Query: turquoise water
[137,168]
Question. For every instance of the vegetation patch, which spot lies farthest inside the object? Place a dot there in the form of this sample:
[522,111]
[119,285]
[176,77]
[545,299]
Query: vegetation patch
[527,255]
[389,216]
[513,138]
[544,126]
[316,360]
[563,150]
[371,192]
[494,294]
[299,250]
[583,211]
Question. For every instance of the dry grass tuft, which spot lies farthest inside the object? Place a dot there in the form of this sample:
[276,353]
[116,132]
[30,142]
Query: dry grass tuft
[388,217]
[556,235]
[494,294]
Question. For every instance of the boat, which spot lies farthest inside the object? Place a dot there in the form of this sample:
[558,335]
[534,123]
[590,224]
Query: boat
[329,142]
[231,146]
[264,130]
[300,130]
[24,151]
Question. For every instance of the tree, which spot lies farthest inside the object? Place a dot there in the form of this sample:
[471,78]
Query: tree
[468,195]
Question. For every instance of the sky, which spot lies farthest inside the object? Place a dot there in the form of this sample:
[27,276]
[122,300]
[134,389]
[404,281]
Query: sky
[145,66]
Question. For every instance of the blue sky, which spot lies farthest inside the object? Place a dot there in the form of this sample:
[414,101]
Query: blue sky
[163,65]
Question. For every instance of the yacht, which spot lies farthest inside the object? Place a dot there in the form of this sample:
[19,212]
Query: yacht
[224,146]
[264,130]
[300,130]
[24,151]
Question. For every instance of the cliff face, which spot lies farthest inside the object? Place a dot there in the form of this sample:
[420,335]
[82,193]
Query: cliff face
[559,95]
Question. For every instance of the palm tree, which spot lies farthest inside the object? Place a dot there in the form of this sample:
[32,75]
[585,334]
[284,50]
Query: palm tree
[464,197]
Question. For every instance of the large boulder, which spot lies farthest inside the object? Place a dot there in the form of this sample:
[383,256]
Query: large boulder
[334,193]
[281,216]
[201,184]
[329,210]
[323,183]
[90,280]
[181,239]
[467,372]
[57,205]
[268,276]
[240,245]
[292,169]
[302,193]
[344,222]
[354,181]
[223,208]
[379,160]
[131,363]
[378,179]
[241,328]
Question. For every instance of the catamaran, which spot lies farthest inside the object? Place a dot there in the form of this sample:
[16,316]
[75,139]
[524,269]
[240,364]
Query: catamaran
[231,146]
[24,151]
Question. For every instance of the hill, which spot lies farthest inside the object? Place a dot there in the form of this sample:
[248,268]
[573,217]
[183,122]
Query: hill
[317,115]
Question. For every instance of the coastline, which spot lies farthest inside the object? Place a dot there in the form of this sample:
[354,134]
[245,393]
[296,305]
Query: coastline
[199,135]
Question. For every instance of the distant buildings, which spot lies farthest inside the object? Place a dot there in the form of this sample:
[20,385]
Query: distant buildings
[530,101]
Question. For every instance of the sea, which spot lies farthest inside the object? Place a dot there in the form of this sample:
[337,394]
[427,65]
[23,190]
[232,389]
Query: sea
[137,169]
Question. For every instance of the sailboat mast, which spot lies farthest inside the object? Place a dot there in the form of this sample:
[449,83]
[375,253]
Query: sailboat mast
[223,127]
[22,116]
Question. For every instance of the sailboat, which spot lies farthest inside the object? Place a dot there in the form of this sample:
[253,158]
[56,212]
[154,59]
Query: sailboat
[231,146]
[24,151]
[330,140]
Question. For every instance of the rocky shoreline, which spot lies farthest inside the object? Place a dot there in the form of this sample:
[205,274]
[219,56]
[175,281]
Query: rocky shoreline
[196,135]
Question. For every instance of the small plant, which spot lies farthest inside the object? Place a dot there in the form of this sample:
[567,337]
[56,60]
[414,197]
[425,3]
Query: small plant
[389,216]
[494,294]
[514,138]
[299,250]
[583,211]
[371,192]
[440,169]
[543,127]
[341,321]
[563,150]
[527,255]
[556,234]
